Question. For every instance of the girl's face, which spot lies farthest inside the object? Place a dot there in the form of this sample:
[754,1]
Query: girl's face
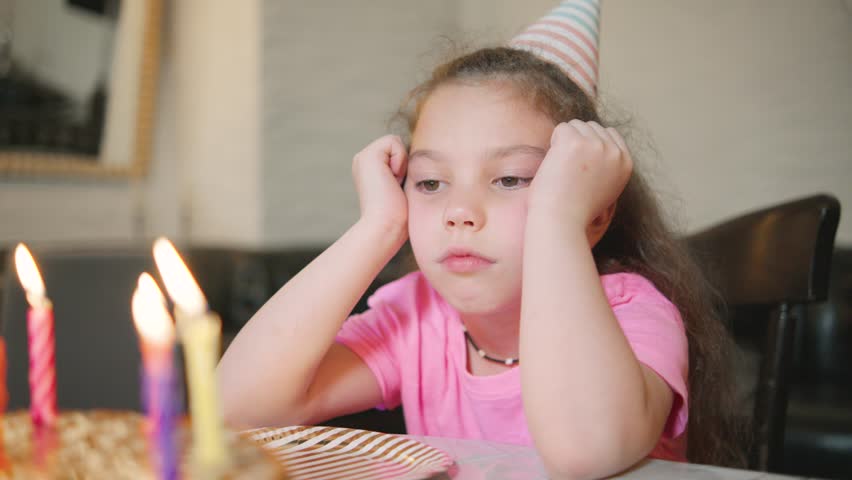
[473,154]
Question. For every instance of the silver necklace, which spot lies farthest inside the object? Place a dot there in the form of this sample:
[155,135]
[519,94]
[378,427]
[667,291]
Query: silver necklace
[481,352]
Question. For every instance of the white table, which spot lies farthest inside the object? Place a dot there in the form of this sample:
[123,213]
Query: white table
[480,460]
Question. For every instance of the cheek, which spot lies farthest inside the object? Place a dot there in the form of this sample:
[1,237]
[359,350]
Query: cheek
[421,216]
[517,216]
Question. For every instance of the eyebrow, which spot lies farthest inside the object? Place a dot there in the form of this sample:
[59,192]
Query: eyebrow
[494,153]
[510,150]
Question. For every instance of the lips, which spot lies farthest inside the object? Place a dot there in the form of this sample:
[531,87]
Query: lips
[462,260]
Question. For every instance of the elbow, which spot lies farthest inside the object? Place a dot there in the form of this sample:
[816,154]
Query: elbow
[234,414]
[568,455]
[241,411]
[233,411]
[592,455]
[562,469]
[579,465]
[229,402]
[232,418]
[238,416]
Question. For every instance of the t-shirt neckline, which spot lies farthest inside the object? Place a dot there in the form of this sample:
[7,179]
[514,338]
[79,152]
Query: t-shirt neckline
[500,385]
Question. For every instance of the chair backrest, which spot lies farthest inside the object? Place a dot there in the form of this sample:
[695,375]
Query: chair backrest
[772,261]
[824,342]
[98,363]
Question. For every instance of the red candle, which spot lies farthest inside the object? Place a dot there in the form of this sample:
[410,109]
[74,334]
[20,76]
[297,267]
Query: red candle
[4,399]
[42,372]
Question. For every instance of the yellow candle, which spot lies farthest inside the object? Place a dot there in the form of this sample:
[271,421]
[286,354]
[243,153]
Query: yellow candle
[200,336]
[199,331]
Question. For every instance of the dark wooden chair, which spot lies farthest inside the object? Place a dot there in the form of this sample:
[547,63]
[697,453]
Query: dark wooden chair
[818,434]
[769,264]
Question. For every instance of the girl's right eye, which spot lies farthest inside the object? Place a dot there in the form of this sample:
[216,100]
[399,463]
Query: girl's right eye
[429,186]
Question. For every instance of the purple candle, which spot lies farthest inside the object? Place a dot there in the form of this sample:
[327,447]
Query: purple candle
[160,400]
[157,341]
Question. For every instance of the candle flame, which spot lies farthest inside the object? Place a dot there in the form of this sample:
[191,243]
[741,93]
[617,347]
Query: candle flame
[180,284]
[149,312]
[29,276]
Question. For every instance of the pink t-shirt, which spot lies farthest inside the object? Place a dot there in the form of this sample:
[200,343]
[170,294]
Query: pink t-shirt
[413,342]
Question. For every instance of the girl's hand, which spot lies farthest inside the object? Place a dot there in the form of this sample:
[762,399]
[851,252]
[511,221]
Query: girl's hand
[582,174]
[378,171]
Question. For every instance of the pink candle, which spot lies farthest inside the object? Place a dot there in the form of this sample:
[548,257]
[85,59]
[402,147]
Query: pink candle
[157,341]
[42,372]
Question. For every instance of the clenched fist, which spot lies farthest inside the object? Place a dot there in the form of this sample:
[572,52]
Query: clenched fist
[378,171]
[583,173]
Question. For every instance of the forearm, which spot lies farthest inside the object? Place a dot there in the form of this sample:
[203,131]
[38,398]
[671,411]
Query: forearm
[584,393]
[268,368]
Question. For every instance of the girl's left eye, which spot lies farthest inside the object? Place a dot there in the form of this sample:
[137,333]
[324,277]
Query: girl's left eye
[429,186]
[512,182]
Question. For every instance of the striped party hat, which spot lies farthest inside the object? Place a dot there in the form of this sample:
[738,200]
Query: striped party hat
[568,37]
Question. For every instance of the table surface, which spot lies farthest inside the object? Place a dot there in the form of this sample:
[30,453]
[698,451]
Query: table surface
[480,460]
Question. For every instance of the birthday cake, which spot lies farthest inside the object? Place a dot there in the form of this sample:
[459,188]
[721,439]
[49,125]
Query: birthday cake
[106,444]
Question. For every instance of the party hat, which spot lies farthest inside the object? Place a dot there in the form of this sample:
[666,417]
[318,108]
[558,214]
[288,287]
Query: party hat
[568,37]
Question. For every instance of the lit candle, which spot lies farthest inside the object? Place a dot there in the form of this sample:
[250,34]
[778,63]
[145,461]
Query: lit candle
[4,400]
[200,331]
[156,340]
[42,371]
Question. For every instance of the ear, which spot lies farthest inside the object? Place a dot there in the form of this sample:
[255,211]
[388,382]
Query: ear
[596,230]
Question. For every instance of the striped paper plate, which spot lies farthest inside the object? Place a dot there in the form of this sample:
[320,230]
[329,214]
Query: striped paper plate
[342,453]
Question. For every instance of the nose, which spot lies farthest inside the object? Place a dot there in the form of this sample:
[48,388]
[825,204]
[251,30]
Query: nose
[464,214]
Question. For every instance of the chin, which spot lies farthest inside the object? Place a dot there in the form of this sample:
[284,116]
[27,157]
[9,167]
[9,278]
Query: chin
[475,307]
[475,296]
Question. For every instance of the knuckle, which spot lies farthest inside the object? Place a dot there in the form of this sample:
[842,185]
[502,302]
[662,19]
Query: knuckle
[597,145]
[561,133]
[391,140]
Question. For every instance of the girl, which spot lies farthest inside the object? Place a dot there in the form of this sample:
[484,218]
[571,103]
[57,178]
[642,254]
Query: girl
[551,307]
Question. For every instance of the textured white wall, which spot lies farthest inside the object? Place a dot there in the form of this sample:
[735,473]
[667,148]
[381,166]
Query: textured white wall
[263,105]
[747,103]
[756,105]
[218,124]
[496,21]
[333,73]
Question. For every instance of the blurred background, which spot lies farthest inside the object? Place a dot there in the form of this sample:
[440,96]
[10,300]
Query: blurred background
[261,106]
[230,128]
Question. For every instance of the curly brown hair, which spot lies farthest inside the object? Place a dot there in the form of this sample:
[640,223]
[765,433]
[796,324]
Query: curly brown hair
[638,240]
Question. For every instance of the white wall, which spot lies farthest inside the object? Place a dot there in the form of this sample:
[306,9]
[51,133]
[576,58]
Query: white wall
[747,103]
[217,64]
[263,104]
[333,73]
[488,22]
[758,108]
